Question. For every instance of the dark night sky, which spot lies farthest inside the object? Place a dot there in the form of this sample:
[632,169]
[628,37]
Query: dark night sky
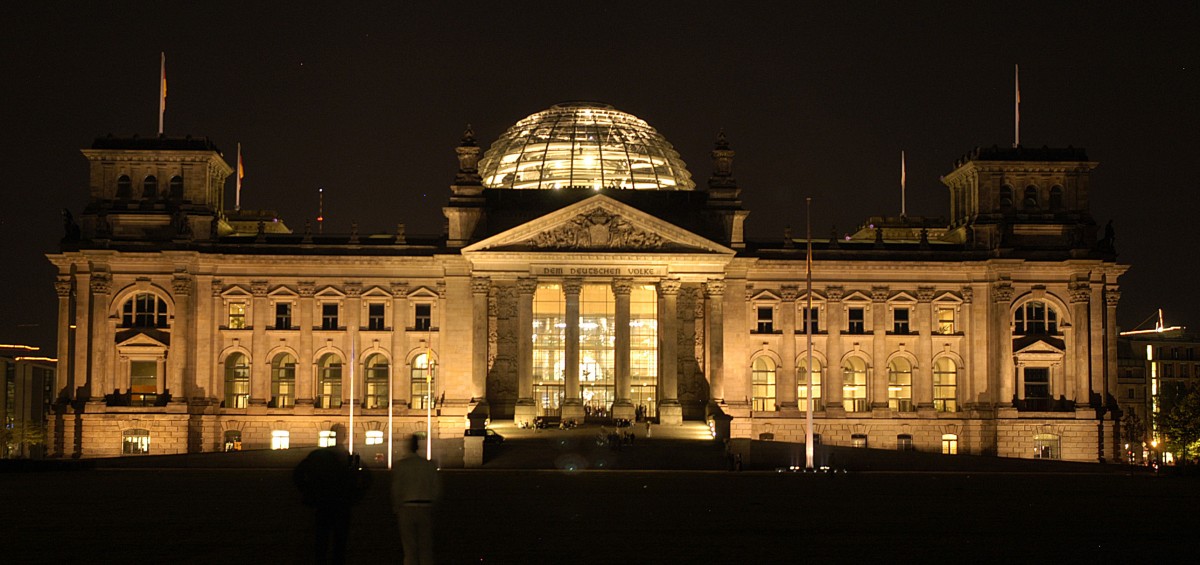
[818,100]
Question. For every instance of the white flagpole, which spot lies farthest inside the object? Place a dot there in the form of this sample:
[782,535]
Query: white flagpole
[237,195]
[162,89]
[353,363]
[390,397]
[808,331]
[903,198]
[1016,106]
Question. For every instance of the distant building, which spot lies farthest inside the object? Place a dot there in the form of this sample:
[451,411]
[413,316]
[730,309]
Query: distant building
[584,275]
[1156,367]
[25,404]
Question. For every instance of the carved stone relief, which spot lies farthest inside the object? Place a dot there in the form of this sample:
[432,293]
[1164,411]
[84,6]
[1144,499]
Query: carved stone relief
[597,229]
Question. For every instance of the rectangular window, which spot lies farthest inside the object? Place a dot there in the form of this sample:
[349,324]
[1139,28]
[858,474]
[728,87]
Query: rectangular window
[856,324]
[766,320]
[374,437]
[283,315]
[143,383]
[237,316]
[423,317]
[945,321]
[949,444]
[858,440]
[810,323]
[280,439]
[375,317]
[900,321]
[326,438]
[1037,388]
[329,316]
[904,442]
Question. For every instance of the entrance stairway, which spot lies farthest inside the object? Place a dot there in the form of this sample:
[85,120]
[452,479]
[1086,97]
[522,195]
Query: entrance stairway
[686,447]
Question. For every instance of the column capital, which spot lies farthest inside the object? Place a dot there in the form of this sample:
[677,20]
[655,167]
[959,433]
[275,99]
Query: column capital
[181,285]
[669,286]
[1002,292]
[399,289]
[440,287]
[572,285]
[101,283]
[968,294]
[62,285]
[307,288]
[714,287]
[622,286]
[834,293]
[352,288]
[217,286]
[527,285]
[480,285]
[879,293]
[1112,296]
[258,288]
[1080,292]
[925,293]
[789,292]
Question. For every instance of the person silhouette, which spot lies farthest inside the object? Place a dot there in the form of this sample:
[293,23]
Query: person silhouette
[331,481]
[416,487]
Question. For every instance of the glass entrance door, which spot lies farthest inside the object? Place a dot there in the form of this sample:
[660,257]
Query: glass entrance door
[644,401]
[549,399]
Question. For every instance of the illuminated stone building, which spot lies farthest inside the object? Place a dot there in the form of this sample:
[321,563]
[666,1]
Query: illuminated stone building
[584,274]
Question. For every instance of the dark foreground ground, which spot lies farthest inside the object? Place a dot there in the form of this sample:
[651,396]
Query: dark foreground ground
[166,515]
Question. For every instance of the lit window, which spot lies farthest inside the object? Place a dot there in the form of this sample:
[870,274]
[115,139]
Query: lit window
[1046,446]
[376,381]
[857,322]
[233,440]
[329,381]
[237,316]
[283,315]
[283,381]
[375,317]
[802,389]
[900,385]
[945,320]
[374,437]
[329,316]
[143,383]
[326,438]
[900,321]
[422,381]
[144,310]
[135,441]
[766,320]
[904,442]
[854,385]
[858,440]
[423,320]
[280,439]
[762,384]
[945,385]
[949,444]
[237,381]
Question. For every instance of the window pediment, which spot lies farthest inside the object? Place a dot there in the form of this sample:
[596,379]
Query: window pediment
[283,292]
[765,296]
[330,292]
[236,291]
[376,292]
[1039,345]
[902,298]
[856,296]
[423,293]
[947,298]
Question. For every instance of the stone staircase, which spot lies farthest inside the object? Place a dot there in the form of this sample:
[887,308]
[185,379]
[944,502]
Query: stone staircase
[686,447]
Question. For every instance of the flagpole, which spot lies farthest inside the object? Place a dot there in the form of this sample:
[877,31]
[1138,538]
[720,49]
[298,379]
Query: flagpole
[808,331]
[1016,106]
[353,363]
[903,198]
[237,195]
[162,89]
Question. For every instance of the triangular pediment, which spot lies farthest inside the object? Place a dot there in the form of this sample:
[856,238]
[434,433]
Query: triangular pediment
[142,339]
[1035,345]
[599,224]
[903,298]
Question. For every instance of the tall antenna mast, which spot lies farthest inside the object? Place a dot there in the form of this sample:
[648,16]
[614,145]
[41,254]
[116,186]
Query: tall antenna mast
[162,89]
[808,331]
[320,210]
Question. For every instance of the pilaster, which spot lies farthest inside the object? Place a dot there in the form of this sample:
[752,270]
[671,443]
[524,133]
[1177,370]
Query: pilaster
[623,406]
[834,408]
[572,404]
[526,409]
[670,412]
[714,347]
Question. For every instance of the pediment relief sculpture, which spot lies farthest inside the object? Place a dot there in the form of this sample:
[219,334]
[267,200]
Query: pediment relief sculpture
[598,229]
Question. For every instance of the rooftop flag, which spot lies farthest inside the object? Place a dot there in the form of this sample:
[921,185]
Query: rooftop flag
[903,207]
[1017,106]
[162,90]
[241,172]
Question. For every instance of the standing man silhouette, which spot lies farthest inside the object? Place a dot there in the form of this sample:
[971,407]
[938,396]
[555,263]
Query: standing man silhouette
[331,481]
[415,489]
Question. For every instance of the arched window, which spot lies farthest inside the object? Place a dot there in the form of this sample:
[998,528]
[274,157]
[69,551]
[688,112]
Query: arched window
[283,381]
[1031,198]
[135,441]
[762,384]
[1035,318]
[854,385]
[900,385]
[1046,446]
[329,381]
[237,381]
[150,187]
[1006,197]
[422,381]
[949,444]
[376,379]
[1056,198]
[802,387]
[176,187]
[144,310]
[945,385]
[124,187]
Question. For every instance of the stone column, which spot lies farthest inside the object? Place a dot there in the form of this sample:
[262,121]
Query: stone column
[1112,295]
[1095,332]
[923,372]
[714,347]
[480,286]
[260,368]
[84,387]
[785,387]
[572,403]
[1001,333]
[877,390]
[180,367]
[1079,293]
[101,380]
[973,378]
[216,373]
[670,412]
[831,387]
[63,383]
[526,409]
[305,383]
[400,377]
[353,313]
[623,407]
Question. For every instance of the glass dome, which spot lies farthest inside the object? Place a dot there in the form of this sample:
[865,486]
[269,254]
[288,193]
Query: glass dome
[583,144]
